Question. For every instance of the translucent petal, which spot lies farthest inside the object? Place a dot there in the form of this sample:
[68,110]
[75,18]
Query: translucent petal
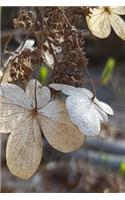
[55,110]
[79,102]
[120,10]
[105,107]
[16,95]
[118,25]
[62,136]
[58,129]
[99,24]
[66,89]
[24,149]
[39,95]
[86,92]
[101,114]
[10,115]
[83,115]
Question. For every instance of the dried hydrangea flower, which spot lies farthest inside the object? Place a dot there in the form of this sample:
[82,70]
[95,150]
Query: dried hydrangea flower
[25,115]
[101,19]
[86,112]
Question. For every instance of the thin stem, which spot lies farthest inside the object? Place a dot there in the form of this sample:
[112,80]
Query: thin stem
[91,81]
[80,52]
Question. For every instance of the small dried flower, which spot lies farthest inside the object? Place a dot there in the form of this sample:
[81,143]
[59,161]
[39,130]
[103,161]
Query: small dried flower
[25,115]
[86,112]
[101,19]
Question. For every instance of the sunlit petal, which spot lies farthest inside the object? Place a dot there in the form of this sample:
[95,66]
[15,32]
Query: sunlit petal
[83,115]
[66,89]
[120,10]
[118,25]
[99,24]
[39,95]
[101,114]
[105,107]
[15,95]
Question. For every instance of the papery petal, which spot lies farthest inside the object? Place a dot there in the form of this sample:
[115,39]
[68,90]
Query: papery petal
[86,92]
[58,129]
[99,24]
[10,115]
[66,89]
[102,115]
[105,107]
[118,25]
[120,10]
[56,110]
[39,95]
[15,95]
[83,114]
[24,149]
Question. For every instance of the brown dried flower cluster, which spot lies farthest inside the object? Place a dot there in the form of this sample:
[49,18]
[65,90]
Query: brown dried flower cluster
[58,42]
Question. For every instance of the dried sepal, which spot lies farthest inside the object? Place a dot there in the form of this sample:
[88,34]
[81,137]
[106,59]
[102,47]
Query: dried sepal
[58,129]
[24,149]
[85,110]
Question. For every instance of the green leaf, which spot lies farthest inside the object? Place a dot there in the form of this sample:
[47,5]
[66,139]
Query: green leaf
[108,70]
[43,74]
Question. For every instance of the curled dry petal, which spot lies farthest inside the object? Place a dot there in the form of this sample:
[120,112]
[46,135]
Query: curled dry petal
[105,107]
[103,117]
